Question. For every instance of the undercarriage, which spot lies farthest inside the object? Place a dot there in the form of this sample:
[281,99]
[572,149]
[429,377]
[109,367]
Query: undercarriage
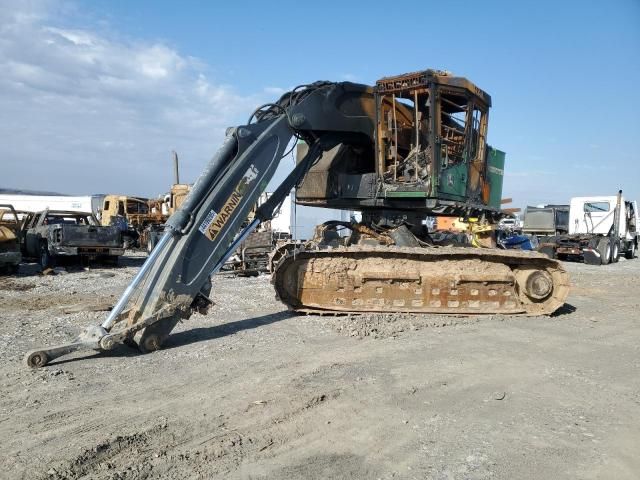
[395,271]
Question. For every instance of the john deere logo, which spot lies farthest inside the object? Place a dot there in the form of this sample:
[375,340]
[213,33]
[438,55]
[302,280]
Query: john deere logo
[215,222]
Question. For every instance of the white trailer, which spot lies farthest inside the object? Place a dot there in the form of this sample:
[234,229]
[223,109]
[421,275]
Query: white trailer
[601,229]
[38,203]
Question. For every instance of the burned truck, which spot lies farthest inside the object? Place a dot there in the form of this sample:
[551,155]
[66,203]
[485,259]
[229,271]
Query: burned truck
[10,255]
[51,236]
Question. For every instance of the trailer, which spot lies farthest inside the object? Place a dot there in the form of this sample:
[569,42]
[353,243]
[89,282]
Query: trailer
[38,203]
[546,221]
[601,229]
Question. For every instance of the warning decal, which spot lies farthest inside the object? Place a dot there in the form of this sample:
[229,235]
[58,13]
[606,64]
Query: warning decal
[214,222]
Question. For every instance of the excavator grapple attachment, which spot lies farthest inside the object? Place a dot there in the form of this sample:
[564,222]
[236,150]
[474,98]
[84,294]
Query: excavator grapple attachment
[450,280]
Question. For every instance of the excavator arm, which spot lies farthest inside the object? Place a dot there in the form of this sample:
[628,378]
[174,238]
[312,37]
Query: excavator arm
[174,281]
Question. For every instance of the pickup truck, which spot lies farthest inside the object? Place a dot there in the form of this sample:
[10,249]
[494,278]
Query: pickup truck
[10,255]
[51,235]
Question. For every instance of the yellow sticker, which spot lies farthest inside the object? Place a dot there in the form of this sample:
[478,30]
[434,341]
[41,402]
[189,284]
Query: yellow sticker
[214,222]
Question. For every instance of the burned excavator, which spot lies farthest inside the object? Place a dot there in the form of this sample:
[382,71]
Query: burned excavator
[415,145]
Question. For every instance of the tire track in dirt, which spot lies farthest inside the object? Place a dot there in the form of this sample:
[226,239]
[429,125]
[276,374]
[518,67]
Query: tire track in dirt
[184,448]
[105,457]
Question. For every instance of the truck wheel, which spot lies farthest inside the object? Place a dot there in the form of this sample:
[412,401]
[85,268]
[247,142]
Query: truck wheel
[604,249]
[45,256]
[630,254]
[615,251]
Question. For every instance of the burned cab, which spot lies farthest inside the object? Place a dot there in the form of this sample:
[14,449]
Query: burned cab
[51,235]
[429,157]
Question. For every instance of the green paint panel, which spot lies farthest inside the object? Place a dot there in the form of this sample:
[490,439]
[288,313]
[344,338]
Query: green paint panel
[495,175]
[453,181]
[406,194]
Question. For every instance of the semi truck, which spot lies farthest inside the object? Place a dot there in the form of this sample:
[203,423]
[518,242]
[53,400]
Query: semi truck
[601,229]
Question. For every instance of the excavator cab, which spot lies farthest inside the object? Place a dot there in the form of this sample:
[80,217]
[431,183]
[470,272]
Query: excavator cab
[431,136]
[430,153]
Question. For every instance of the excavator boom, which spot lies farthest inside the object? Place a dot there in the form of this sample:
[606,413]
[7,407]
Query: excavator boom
[175,279]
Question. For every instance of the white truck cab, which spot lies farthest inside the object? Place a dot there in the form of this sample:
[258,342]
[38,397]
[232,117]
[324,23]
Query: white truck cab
[596,215]
[601,229]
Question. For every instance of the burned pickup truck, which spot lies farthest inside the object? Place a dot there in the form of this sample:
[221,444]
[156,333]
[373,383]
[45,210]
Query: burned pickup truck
[51,235]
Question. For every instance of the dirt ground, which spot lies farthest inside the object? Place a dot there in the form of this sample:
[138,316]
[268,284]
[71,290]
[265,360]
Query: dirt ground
[252,391]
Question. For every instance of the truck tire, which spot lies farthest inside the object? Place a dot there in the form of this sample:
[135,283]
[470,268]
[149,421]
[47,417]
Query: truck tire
[45,257]
[604,249]
[630,254]
[615,251]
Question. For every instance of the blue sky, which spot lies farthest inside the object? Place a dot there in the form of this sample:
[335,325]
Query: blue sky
[563,76]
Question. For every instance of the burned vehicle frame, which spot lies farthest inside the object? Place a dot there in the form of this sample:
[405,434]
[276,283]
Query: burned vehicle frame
[50,235]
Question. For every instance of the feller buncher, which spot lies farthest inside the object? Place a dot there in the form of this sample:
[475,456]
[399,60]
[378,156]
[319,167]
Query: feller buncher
[411,146]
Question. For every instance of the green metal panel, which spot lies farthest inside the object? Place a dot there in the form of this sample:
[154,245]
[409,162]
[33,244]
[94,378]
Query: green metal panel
[453,181]
[406,194]
[495,175]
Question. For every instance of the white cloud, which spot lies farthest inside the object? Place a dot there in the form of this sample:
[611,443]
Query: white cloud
[350,77]
[276,91]
[88,112]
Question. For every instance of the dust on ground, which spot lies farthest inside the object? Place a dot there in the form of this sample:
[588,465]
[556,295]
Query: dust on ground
[253,391]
